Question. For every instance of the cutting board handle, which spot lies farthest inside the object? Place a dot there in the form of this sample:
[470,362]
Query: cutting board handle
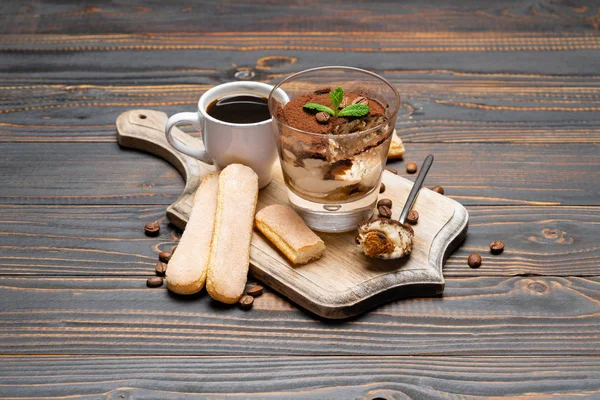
[145,130]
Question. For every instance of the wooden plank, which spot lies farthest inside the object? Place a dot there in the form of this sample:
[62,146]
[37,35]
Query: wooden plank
[69,173]
[473,174]
[90,240]
[300,377]
[438,106]
[181,16]
[365,41]
[495,173]
[207,58]
[476,316]
[539,241]
[109,241]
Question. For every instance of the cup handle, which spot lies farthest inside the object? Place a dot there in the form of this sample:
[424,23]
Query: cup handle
[191,118]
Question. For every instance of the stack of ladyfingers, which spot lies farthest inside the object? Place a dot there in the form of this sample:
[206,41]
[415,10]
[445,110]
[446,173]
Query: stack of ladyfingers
[215,246]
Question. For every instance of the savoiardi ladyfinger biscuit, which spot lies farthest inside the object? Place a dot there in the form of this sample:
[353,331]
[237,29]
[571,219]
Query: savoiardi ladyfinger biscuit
[396,150]
[286,230]
[187,269]
[230,246]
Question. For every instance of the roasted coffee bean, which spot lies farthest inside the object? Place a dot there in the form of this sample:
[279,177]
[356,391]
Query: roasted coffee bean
[361,100]
[322,90]
[254,290]
[322,117]
[384,202]
[496,247]
[412,217]
[173,250]
[246,302]
[382,188]
[384,212]
[155,281]
[164,256]
[411,167]
[152,228]
[345,102]
[392,170]
[474,260]
[160,268]
[438,189]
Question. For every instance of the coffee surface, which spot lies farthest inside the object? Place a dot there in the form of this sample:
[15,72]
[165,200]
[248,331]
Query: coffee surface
[239,109]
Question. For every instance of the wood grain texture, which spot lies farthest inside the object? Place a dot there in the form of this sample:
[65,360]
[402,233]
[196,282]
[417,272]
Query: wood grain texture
[476,316]
[539,241]
[109,241]
[511,76]
[438,106]
[300,377]
[325,40]
[473,174]
[81,241]
[47,173]
[180,16]
[156,66]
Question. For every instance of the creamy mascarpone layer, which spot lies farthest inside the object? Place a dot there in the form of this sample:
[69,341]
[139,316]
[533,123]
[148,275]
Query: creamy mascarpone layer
[317,178]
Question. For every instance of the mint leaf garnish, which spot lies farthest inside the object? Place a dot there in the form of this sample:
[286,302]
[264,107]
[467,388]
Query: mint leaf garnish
[319,107]
[354,110]
[336,97]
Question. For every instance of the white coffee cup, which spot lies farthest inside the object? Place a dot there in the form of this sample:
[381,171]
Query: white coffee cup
[227,143]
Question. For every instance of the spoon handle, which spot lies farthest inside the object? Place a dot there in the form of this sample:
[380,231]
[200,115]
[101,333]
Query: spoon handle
[412,196]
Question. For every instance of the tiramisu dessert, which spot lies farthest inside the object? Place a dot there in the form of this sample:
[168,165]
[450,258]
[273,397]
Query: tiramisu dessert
[334,145]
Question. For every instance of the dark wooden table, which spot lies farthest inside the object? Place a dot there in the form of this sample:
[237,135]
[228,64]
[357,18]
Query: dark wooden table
[506,94]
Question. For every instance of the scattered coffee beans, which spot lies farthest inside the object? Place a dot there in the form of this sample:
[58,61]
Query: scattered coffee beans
[412,217]
[384,202]
[474,260]
[496,247]
[411,167]
[322,117]
[164,256]
[382,188]
[160,268]
[155,281]
[384,212]
[345,102]
[246,302]
[323,90]
[392,170]
[152,228]
[438,189]
[361,100]
[254,290]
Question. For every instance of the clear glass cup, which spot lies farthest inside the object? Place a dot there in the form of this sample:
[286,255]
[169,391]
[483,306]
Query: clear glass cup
[333,180]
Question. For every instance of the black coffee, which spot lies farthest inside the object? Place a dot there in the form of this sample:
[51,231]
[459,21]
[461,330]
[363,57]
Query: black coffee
[239,109]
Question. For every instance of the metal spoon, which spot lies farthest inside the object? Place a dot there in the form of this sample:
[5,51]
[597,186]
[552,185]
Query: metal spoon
[389,239]
[412,196]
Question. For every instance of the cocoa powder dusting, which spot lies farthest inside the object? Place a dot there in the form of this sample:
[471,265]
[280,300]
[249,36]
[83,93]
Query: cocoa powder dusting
[294,114]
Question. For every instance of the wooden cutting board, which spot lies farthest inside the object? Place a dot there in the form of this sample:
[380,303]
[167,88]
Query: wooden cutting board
[344,282]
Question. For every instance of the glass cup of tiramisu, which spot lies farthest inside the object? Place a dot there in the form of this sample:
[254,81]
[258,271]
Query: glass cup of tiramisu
[333,136]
